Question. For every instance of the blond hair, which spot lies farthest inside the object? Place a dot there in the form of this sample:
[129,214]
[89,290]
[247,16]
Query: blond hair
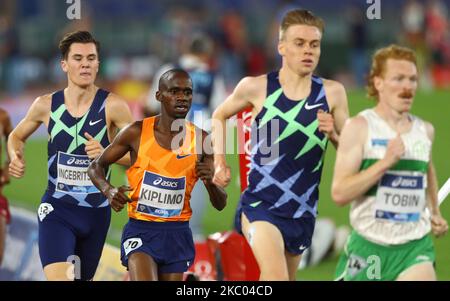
[300,17]
[379,60]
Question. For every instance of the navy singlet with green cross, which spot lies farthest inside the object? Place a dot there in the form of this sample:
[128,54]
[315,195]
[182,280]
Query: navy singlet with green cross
[67,160]
[286,163]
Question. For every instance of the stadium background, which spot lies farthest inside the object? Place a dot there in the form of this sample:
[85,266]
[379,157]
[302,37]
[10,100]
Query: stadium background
[138,36]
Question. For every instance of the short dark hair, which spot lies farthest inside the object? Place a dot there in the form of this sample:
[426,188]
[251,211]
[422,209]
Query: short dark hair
[166,76]
[83,37]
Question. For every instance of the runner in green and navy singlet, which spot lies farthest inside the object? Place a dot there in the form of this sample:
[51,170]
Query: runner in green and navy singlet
[74,216]
[67,160]
[289,182]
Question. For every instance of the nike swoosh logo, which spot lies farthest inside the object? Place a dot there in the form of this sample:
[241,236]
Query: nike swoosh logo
[308,107]
[255,204]
[182,156]
[94,123]
[302,247]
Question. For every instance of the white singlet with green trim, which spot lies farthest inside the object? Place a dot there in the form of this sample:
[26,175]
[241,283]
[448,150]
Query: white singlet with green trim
[393,211]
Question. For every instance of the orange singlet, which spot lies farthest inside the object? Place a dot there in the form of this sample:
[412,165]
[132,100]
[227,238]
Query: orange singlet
[162,179]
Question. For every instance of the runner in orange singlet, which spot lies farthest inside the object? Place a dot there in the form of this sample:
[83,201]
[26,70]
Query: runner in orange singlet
[157,242]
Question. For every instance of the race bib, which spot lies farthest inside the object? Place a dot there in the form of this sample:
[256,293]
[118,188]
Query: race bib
[72,174]
[400,198]
[43,210]
[132,244]
[355,265]
[161,196]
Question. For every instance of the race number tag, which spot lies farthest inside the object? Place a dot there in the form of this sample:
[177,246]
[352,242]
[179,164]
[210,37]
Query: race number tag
[400,198]
[355,265]
[72,174]
[131,244]
[43,210]
[161,196]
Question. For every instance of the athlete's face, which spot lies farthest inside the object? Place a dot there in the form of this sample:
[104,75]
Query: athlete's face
[398,85]
[300,48]
[176,95]
[81,64]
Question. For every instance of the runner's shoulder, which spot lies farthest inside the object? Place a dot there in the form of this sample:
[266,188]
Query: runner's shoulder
[134,129]
[43,100]
[42,105]
[333,85]
[251,89]
[115,102]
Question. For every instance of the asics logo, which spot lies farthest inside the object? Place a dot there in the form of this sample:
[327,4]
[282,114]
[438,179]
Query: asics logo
[308,107]
[73,160]
[159,181]
[92,123]
[402,182]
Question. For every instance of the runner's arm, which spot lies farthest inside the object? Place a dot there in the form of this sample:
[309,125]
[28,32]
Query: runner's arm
[120,115]
[28,125]
[439,225]
[217,195]
[240,99]
[336,92]
[348,182]
[121,146]
[432,188]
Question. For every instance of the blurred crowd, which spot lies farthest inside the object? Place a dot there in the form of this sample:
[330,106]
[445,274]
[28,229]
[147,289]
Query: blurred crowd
[138,36]
[426,30]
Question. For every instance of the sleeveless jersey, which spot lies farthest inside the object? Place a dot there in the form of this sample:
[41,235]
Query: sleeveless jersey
[68,180]
[162,179]
[287,152]
[393,211]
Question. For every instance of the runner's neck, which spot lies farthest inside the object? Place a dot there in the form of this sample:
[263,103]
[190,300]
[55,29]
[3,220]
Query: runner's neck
[76,95]
[295,86]
[395,119]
